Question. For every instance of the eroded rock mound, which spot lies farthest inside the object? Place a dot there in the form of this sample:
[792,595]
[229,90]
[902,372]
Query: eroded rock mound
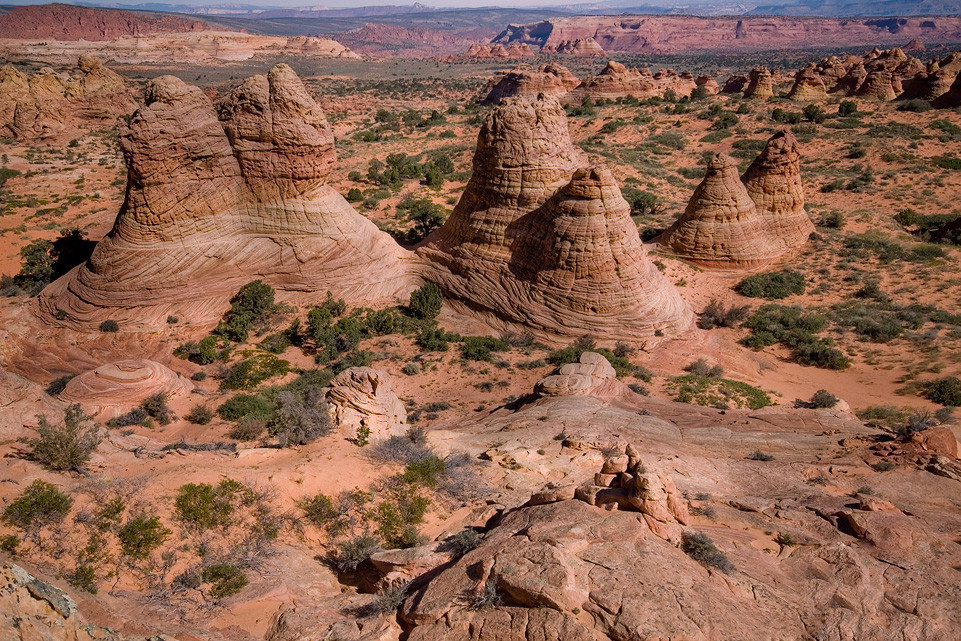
[760,84]
[365,397]
[617,81]
[44,104]
[808,86]
[525,80]
[115,388]
[212,204]
[579,47]
[774,183]
[21,401]
[592,375]
[721,226]
[537,242]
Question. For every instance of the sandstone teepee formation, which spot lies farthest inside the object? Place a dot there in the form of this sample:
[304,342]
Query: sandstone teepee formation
[808,86]
[217,197]
[744,222]
[760,84]
[541,240]
[525,80]
[617,81]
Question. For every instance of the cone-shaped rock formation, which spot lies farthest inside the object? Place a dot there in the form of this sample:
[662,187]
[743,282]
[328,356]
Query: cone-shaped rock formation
[774,182]
[212,204]
[808,86]
[760,84]
[524,80]
[529,245]
[745,222]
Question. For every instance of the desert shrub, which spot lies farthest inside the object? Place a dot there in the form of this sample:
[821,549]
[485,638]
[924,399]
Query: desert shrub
[944,391]
[717,392]
[488,597]
[250,372]
[202,506]
[426,302]
[814,113]
[870,322]
[425,215]
[882,415]
[203,352]
[252,406]
[319,509]
[479,348]
[301,417]
[84,577]
[39,506]
[401,449]
[250,308]
[225,579]
[200,415]
[701,368]
[758,455]
[156,408]
[109,327]
[435,339]
[643,203]
[140,536]
[831,220]
[398,516]
[717,315]
[795,328]
[918,421]
[65,446]
[772,285]
[916,106]
[57,385]
[847,108]
[425,472]
[353,552]
[389,598]
[381,322]
[136,416]
[463,542]
[883,466]
[701,548]
[824,399]
[248,429]
[411,369]
[354,195]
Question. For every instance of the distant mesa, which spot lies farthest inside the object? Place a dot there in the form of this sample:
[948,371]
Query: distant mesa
[734,222]
[221,195]
[42,105]
[115,388]
[70,22]
[525,80]
[541,240]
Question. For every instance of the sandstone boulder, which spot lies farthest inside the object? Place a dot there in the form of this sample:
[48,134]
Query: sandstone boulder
[808,86]
[581,47]
[760,84]
[709,83]
[22,401]
[213,203]
[592,375]
[365,397]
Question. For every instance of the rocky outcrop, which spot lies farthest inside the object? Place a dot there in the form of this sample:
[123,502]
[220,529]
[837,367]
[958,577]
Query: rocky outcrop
[580,47]
[524,80]
[952,97]
[617,81]
[735,84]
[760,84]
[709,83]
[499,51]
[592,375]
[45,104]
[540,241]
[364,397]
[115,388]
[212,204]
[721,226]
[774,183]
[21,401]
[808,86]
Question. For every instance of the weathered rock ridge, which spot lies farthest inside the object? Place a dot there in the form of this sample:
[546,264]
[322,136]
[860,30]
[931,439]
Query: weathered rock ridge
[525,80]
[542,240]
[214,203]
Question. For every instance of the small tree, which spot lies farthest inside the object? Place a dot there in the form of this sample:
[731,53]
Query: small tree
[66,446]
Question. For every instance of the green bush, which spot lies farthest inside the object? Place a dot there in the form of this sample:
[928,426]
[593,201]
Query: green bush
[203,506]
[772,285]
[226,579]
[156,408]
[109,327]
[252,307]
[253,406]
[250,372]
[84,577]
[796,329]
[847,108]
[426,302]
[944,391]
[426,472]
[200,415]
[319,510]
[398,517]
[141,536]
[66,446]
[479,348]
[352,553]
[824,399]
[40,505]
[435,339]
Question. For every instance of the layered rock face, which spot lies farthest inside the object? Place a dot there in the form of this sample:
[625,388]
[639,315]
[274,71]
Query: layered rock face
[539,241]
[364,397]
[578,47]
[746,222]
[617,81]
[115,388]
[44,104]
[592,375]
[760,84]
[774,183]
[212,204]
[525,80]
